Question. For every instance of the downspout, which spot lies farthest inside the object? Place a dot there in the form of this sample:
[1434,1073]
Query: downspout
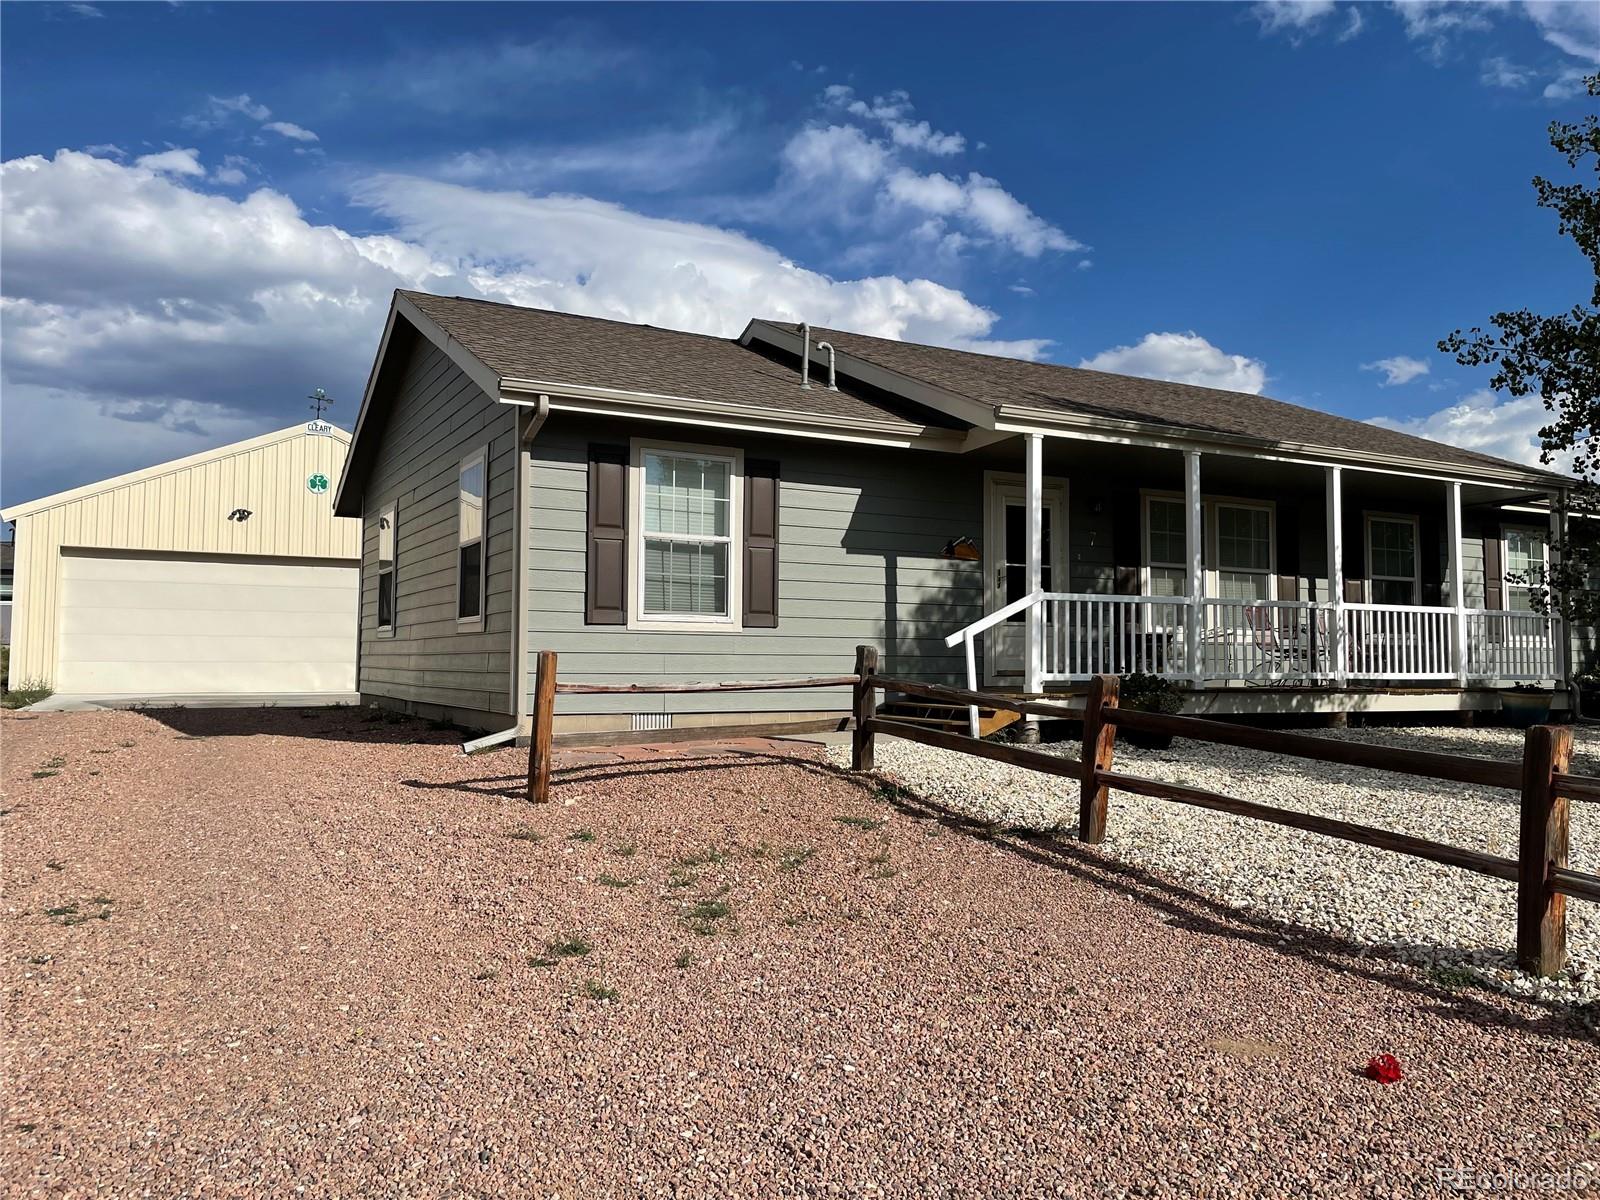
[519,630]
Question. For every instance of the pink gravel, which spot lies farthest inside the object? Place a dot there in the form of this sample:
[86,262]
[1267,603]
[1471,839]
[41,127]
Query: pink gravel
[306,953]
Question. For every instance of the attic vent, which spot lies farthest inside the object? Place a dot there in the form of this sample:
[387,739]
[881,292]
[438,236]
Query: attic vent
[648,721]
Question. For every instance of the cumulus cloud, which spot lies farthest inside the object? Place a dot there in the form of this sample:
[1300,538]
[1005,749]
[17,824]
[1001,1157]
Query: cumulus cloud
[1397,370]
[1506,428]
[1503,73]
[894,113]
[1183,358]
[864,180]
[130,292]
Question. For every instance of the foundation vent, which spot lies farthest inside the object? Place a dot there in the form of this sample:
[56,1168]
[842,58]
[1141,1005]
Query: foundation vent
[648,721]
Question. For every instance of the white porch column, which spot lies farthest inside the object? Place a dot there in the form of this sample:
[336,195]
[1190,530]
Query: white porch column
[1194,546]
[1334,507]
[1033,652]
[1458,584]
[1558,626]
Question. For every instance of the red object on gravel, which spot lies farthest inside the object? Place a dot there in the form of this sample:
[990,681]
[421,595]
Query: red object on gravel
[1385,1068]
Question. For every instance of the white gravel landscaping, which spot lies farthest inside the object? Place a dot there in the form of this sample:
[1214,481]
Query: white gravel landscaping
[1441,918]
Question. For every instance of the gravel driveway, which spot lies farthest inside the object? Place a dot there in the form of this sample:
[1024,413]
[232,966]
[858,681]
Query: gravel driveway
[268,954]
[1451,922]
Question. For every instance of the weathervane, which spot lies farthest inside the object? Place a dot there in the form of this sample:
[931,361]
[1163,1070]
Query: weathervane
[319,401]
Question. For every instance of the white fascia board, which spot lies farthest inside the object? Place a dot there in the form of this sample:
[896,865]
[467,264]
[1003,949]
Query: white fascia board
[907,439]
[953,404]
[1130,433]
[177,464]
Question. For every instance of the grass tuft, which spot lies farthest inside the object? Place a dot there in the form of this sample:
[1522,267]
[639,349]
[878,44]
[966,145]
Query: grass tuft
[684,961]
[867,823]
[796,857]
[615,881]
[571,945]
[596,990]
[524,833]
[627,849]
[29,691]
[582,835]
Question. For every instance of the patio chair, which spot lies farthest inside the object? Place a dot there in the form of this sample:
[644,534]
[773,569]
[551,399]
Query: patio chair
[1273,653]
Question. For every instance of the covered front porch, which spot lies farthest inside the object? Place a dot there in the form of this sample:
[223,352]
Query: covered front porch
[1231,570]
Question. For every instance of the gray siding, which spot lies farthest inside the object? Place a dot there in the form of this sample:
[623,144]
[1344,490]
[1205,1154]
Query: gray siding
[860,541]
[438,417]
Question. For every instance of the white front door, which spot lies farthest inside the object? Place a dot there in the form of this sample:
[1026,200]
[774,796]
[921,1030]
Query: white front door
[1006,566]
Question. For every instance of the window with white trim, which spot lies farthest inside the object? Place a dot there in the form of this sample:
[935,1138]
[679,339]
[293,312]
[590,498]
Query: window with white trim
[687,567]
[471,564]
[1242,551]
[1392,575]
[1166,559]
[1525,558]
[386,580]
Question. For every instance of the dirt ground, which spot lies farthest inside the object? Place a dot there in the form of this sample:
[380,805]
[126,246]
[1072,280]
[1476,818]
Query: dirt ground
[315,953]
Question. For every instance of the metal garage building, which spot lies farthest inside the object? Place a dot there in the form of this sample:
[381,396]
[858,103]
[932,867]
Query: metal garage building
[224,574]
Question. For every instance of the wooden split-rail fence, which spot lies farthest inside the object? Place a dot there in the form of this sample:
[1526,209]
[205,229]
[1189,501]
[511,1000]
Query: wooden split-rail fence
[1540,870]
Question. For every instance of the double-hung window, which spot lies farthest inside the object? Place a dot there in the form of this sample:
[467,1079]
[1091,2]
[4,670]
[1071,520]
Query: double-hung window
[687,570]
[1243,551]
[1165,533]
[471,558]
[1392,559]
[386,583]
[1524,565]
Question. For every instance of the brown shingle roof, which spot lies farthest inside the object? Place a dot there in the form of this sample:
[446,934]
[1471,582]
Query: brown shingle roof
[533,343]
[1046,387]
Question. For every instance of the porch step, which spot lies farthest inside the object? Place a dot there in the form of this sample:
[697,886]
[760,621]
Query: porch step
[952,717]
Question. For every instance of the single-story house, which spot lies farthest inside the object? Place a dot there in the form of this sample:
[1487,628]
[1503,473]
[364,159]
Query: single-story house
[665,506]
[224,574]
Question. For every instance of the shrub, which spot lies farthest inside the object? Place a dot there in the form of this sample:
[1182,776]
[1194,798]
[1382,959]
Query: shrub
[1151,693]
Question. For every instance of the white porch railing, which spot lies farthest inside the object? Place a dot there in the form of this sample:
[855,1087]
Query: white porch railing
[1249,641]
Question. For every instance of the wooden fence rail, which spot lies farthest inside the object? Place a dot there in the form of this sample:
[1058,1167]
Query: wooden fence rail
[1541,872]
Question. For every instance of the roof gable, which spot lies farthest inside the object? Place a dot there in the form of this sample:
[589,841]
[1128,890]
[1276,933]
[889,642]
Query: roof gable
[172,467]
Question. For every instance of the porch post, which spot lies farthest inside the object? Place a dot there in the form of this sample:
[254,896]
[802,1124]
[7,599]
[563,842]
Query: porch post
[1334,507]
[1458,589]
[1194,534]
[1562,646]
[1033,640]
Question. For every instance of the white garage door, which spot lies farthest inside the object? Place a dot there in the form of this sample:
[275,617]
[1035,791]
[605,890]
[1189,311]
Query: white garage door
[149,625]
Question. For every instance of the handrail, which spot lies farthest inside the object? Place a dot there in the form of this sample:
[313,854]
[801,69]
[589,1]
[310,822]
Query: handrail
[994,618]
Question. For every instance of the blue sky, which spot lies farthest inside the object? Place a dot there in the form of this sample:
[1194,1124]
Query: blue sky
[206,205]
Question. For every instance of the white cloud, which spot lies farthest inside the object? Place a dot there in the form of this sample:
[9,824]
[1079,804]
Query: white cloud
[292,131]
[172,162]
[133,299]
[89,12]
[850,174]
[1397,370]
[1436,26]
[1298,19]
[219,110]
[657,161]
[1504,428]
[1183,358]
[894,113]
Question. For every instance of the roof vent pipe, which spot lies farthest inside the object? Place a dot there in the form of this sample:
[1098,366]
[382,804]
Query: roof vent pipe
[805,355]
[833,377]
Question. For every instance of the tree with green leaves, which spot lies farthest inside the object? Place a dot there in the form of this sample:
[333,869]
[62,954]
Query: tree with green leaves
[1557,358]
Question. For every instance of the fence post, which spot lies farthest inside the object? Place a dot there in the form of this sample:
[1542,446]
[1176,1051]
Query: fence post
[864,709]
[539,744]
[1541,910]
[1099,744]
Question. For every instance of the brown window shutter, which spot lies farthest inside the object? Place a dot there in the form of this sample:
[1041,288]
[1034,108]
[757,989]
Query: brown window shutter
[606,576]
[1494,572]
[760,543]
